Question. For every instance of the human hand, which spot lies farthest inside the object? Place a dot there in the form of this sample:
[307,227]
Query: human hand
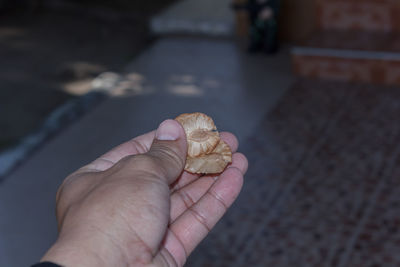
[135,206]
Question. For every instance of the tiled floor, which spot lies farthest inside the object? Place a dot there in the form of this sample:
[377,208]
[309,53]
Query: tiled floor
[323,187]
[176,75]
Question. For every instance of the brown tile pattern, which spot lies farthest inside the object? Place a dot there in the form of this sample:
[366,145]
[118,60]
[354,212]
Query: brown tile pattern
[348,69]
[322,188]
[371,15]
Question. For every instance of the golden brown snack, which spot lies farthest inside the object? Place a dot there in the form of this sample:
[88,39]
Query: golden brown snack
[215,162]
[201,133]
[207,153]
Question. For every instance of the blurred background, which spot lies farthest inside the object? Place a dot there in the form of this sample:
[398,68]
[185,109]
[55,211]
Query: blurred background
[310,88]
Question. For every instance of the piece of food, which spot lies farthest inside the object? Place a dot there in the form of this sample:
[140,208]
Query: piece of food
[207,153]
[215,162]
[201,133]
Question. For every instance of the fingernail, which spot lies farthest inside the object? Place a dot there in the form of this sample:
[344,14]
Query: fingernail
[168,131]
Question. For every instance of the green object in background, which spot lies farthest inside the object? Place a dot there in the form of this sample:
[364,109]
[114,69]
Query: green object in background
[263,32]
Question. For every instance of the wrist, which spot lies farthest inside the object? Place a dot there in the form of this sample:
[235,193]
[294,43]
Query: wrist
[83,251]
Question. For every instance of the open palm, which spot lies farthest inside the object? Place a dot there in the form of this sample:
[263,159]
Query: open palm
[154,220]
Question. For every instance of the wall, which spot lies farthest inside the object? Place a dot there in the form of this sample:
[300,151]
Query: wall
[297,20]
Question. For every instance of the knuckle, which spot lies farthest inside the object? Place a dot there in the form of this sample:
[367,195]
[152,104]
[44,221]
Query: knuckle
[186,199]
[156,163]
[166,155]
[200,218]
[219,199]
[143,164]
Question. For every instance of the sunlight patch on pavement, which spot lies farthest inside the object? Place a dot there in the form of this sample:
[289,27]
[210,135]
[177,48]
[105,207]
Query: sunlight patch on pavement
[184,85]
[186,90]
[116,84]
[79,87]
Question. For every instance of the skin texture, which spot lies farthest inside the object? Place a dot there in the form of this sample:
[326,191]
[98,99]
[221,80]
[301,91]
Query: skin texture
[135,206]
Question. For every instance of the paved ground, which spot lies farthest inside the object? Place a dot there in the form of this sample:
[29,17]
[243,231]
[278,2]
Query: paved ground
[175,75]
[323,185]
[49,56]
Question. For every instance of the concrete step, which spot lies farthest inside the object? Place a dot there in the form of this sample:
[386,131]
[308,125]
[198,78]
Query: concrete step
[204,17]
[372,57]
[369,15]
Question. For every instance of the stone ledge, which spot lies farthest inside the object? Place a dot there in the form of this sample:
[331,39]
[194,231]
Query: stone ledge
[55,122]
[204,17]
[177,26]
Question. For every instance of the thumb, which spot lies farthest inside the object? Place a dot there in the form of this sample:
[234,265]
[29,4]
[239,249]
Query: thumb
[169,149]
